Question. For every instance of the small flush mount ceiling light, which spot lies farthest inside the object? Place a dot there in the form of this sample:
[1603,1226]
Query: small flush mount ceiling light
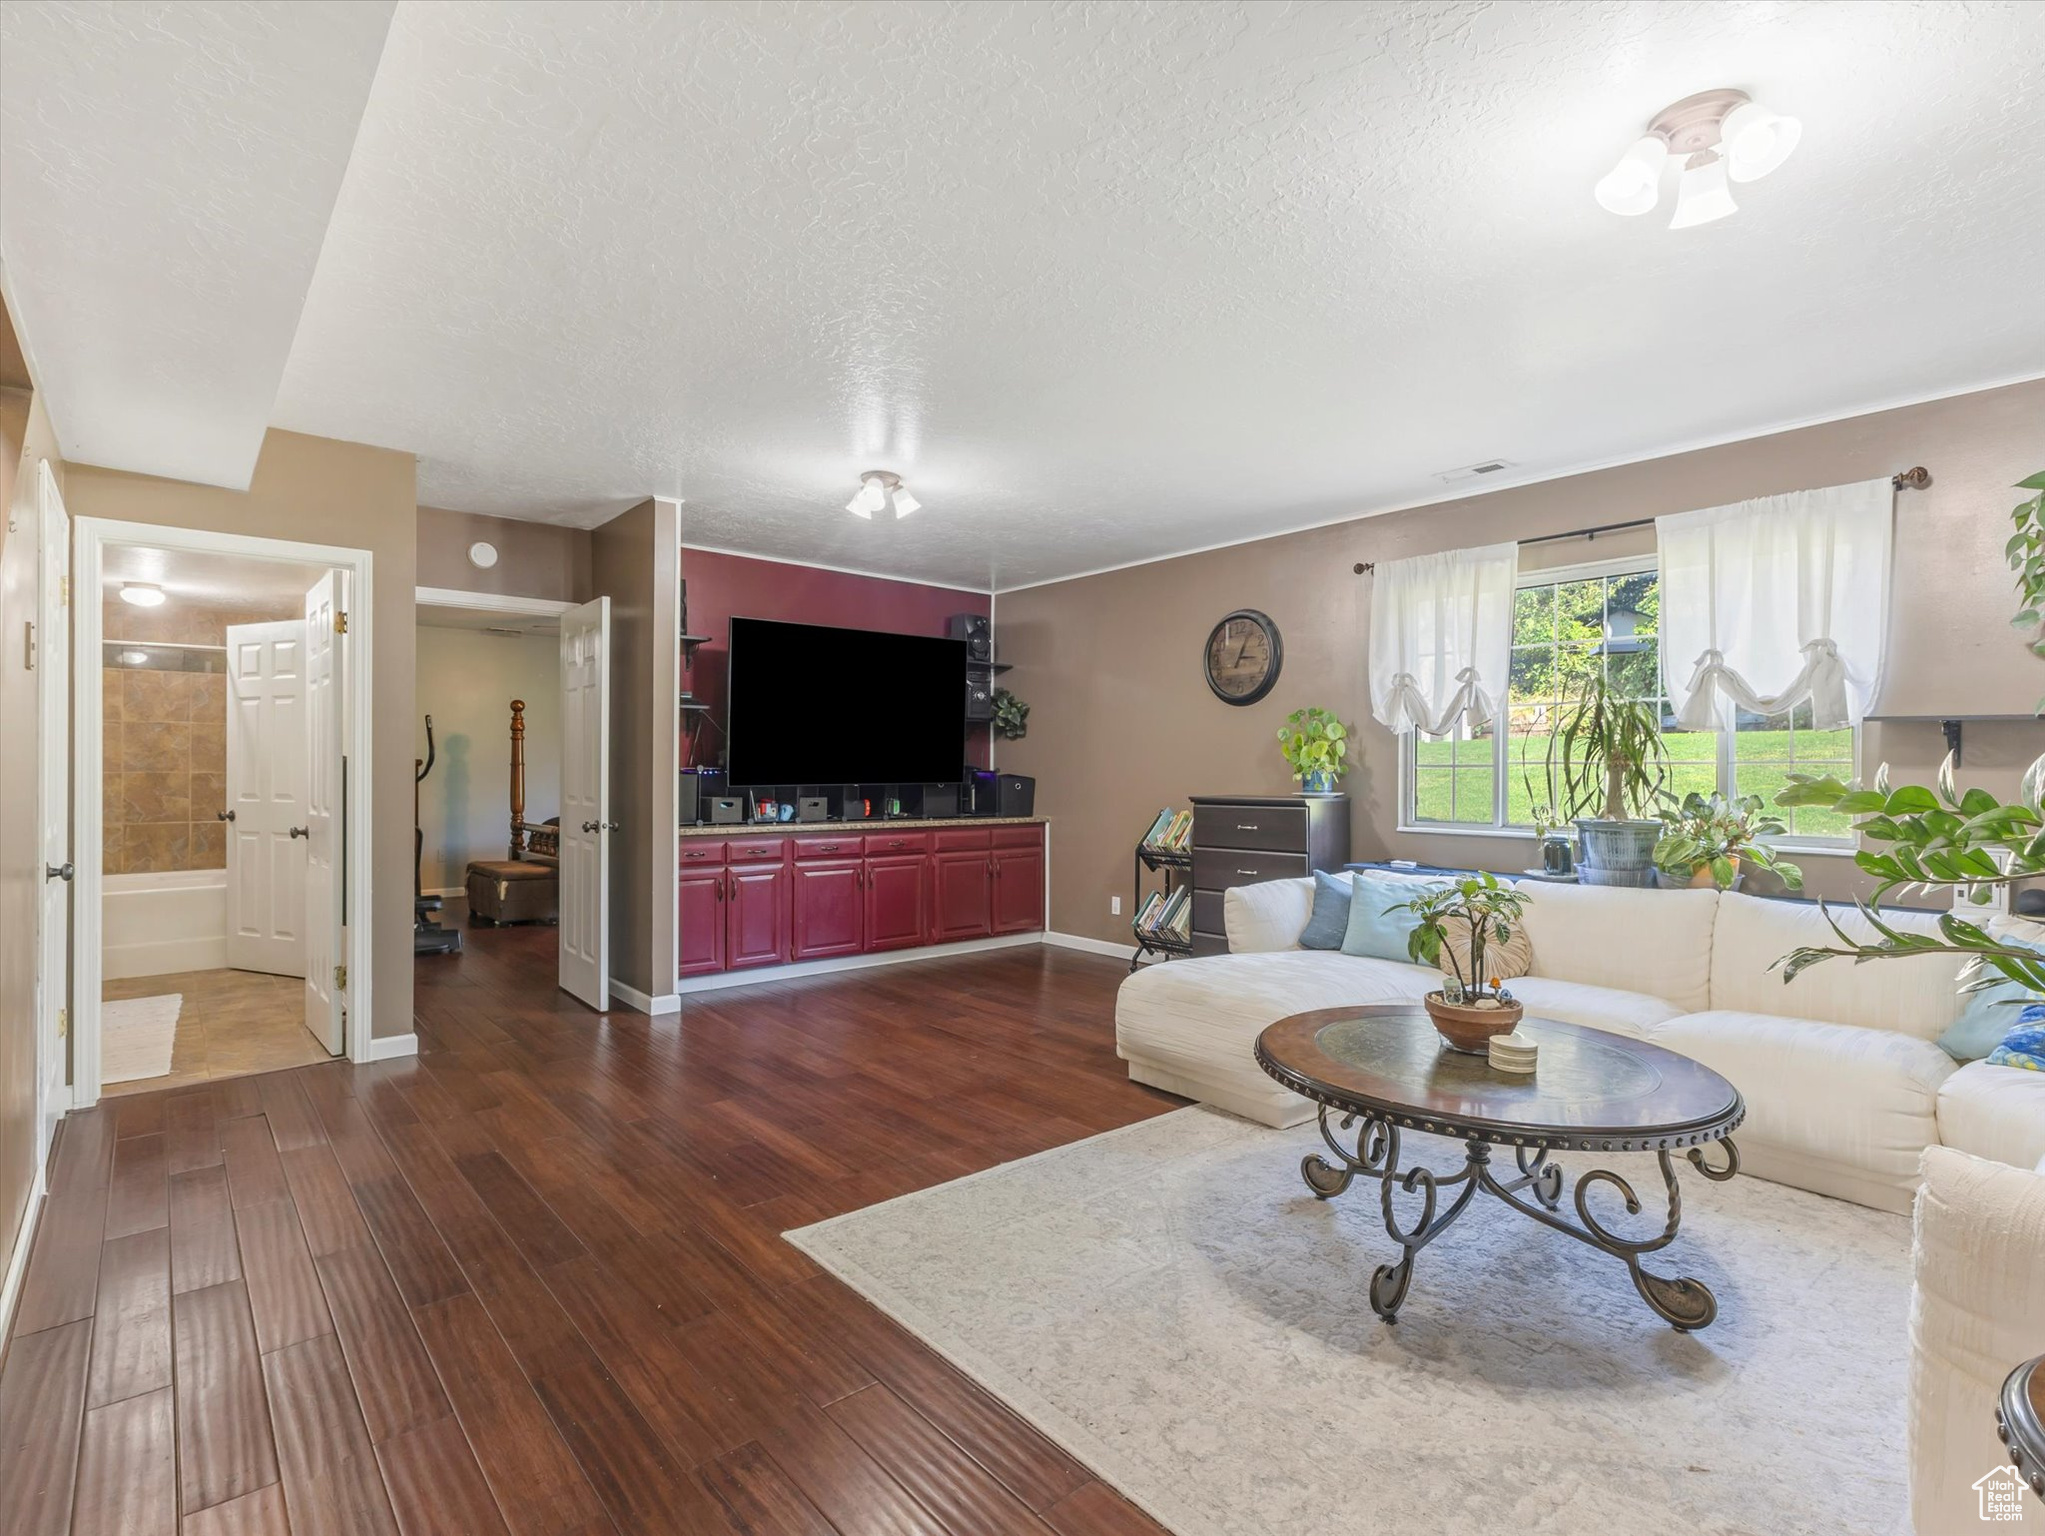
[875,487]
[1716,137]
[143,594]
[482,555]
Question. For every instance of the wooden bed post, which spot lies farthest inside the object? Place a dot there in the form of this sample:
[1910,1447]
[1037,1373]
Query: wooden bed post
[517,778]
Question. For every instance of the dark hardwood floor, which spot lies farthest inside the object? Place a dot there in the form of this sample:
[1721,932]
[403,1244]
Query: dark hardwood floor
[532,1280]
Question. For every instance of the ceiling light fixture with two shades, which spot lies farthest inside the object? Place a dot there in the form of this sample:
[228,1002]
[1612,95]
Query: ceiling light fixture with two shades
[1720,136]
[875,487]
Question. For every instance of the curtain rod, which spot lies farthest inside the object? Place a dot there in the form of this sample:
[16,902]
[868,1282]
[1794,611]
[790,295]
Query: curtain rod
[1913,479]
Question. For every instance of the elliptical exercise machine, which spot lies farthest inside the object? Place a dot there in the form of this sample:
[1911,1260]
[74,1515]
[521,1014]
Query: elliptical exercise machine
[428,937]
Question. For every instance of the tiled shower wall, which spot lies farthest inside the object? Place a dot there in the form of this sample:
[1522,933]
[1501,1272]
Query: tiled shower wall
[166,742]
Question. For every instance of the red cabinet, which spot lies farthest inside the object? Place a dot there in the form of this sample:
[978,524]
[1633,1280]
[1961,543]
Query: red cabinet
[702,932]
[894,901]
[1017,899]
[959,904]
[756,915]
[828,915]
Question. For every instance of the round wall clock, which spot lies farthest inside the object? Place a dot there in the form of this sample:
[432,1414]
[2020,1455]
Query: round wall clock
[1243,656]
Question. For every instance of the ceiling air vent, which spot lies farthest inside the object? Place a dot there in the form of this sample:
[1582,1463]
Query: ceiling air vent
[515,634]
[1473,471]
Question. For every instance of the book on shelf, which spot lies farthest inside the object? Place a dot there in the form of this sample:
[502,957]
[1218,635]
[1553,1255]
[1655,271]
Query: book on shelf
[1170,833]
[1167,917]
[1157,827]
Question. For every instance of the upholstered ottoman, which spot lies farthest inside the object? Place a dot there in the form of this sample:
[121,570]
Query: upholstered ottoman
[513,891]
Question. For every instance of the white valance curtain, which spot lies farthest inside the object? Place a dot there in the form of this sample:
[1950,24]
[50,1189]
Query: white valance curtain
[1770,602]
[1441,638]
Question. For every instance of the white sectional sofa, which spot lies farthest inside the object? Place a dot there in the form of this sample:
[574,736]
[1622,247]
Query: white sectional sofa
[1844,1080]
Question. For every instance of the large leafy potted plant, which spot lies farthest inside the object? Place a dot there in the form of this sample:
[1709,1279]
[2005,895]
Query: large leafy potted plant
[1488,908]
[1936,839]
[1316,748]
[1606,766]
[2026,555]
[1706,838]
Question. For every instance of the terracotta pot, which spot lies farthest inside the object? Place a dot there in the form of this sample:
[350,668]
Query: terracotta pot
[1702,879]
[1470,1029]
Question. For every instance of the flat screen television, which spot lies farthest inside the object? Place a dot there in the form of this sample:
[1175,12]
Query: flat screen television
[811,704]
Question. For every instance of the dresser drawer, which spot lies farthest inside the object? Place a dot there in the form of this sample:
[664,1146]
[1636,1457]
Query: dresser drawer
[836,846]
[1217,869]
[698,851]
[756,850]
[1208,907]
[963,839]
[1017,837]
[1250,826]
[896,842]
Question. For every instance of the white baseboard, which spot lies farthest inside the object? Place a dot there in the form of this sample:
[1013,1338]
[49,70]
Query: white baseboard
[164,957]
[632,997]
[446,891]
[1091,946]
[719,981]
[17,1257]
[387,1047]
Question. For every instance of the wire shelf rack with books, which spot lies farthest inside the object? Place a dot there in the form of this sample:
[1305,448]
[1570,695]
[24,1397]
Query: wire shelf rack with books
[1163,920]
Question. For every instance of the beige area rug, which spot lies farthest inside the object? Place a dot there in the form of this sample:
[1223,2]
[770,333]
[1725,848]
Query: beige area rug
[1170,1304]
[136,1035]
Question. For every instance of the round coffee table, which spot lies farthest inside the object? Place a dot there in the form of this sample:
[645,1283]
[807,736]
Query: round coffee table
[1593,1092]
[2020,1420]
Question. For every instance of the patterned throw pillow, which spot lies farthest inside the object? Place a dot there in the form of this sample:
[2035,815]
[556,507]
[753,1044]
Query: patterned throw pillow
[1515,957]
[2024,1045]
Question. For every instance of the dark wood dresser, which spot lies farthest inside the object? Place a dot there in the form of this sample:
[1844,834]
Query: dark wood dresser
[1242,839]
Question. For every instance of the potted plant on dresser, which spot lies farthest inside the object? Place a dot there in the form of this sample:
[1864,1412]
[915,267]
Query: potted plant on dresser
[1708,837]
[1476,1007]
[1316,748]
[1606,767]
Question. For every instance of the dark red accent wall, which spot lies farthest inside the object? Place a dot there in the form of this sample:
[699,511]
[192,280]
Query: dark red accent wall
[722,587]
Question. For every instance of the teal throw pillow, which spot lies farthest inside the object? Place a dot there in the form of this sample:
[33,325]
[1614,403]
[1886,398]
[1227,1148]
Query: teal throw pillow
[1374,932]
[2024,1045]
[1325,929]
[1986,1016]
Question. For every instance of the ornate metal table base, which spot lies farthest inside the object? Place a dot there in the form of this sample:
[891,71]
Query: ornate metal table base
[1683,1303]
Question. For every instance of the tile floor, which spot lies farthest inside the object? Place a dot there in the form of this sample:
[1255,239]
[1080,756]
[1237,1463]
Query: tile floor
[231,1023]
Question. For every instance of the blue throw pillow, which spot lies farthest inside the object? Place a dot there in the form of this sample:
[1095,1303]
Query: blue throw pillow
[1986,1016]
[1374,932]
[2023,1046]
[1324,930]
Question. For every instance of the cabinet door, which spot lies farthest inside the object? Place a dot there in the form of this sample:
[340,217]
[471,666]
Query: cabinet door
[959,896]
[702,933]
[756,916]
[827,909]
[1018,890]
[894,901]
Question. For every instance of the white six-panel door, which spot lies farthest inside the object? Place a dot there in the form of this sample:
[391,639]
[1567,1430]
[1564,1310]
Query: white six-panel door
[53,803]
[324,993]
[266,797]
[586,802]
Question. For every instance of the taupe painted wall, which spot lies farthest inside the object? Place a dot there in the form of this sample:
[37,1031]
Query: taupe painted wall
[533,559]
[318,491]
[467,680]
[1121,721]
[25,440]
[636,562]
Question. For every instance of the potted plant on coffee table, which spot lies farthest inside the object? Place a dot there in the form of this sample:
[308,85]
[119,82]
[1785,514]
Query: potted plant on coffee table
[1606,765]
[1316,747]
[1707,838]
[1488,908]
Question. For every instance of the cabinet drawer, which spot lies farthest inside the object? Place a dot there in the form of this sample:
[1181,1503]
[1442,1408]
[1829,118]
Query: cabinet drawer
[1207,912]
[896,842]
[1250,826]
[1217,869]
[756,850]
[1017,837]
[963,839]
[840,846]
[698,851]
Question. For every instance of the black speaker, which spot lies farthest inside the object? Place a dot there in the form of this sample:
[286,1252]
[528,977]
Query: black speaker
[1015,794]
[979,696]
[978,633]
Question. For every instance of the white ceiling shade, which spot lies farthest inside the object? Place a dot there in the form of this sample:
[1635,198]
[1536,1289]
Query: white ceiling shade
[1757,140]
[1634,185]
[166,177]
[1701,192]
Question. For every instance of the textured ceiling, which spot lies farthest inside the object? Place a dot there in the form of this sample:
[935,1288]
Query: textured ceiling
[166,172]
[1110,281]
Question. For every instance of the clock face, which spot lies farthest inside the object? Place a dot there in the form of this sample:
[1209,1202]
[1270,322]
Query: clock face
[1243,656]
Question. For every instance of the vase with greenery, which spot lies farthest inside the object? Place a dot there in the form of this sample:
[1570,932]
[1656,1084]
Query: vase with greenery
[1934,839]
[1706,838]
[1488,908]
[1011,716]
[1316,748]
[2026,555]
[1606,768]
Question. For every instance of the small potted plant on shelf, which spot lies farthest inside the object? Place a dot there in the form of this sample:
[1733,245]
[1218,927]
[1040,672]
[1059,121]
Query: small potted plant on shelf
[1011,716]
[1316,747]
[1708,837]
[1471,1006]
[1606,765]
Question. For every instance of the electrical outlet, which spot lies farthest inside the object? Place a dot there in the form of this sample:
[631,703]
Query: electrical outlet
[1114,906]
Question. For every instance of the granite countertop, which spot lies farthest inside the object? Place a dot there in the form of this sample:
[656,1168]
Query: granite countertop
[874,824]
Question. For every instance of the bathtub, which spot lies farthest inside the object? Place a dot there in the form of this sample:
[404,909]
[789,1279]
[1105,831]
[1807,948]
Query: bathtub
[152,925]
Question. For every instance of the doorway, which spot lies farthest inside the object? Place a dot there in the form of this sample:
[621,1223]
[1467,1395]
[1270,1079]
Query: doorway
[215,714]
